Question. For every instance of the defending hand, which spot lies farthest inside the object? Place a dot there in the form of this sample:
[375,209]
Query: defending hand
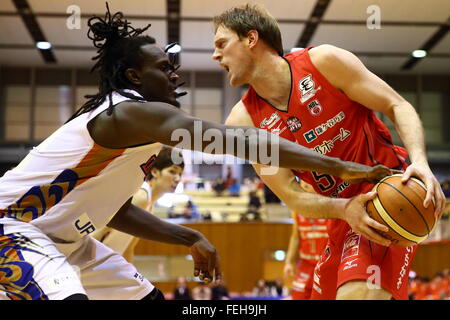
[206,261]
[358,173]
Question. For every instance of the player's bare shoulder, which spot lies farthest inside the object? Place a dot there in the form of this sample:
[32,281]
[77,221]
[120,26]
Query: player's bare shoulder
[111,129]
[239,116]
[325,55]
[337,65]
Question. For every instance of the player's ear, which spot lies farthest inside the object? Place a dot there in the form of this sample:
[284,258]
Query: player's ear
[253,38]
[134,76]
[155,173]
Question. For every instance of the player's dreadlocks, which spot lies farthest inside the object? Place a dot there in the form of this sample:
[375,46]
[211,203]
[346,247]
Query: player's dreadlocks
[118,46]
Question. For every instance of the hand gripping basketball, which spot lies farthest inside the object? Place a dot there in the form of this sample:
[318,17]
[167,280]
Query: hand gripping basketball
[399,206]
[356,216]
[434,195]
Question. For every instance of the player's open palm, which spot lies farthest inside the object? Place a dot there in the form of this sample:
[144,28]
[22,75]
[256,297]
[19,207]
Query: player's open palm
[206,261]
[359,220]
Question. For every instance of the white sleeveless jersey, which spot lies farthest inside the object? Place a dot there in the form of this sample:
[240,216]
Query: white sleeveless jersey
[117,240]
[147,189]
[69,186]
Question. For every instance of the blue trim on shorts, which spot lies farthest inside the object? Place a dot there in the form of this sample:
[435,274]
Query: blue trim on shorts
[2,231]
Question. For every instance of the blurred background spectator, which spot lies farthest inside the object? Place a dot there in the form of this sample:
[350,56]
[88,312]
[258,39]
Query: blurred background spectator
[278,290]
[234,188]
[202,292]
[181,291]
[446,188]
[220,291]
[219,186]
[190,211]
[253,210]
[438,288]
[261,289]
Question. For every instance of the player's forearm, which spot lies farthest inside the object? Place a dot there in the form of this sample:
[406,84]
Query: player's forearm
[410,130]
[257,146]
[140,223]
[266,148]
[292,253]
[263,147]
[316,206]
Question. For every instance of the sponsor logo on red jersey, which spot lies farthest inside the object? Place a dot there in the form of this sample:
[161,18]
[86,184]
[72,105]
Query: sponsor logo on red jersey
[293,124]
[406,263]
[312,134]
[307,88]
[349,264]
[351,245]
[314,107]
[270,124]
[328,145]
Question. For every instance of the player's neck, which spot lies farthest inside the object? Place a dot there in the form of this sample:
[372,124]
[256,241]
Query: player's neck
[272,80]
[157,191]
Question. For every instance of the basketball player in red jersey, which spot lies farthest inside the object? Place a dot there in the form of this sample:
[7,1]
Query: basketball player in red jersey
[308,240]
[324,98]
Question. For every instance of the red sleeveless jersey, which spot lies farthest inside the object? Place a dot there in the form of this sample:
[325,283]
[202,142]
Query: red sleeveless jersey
[313,237]
[324,119]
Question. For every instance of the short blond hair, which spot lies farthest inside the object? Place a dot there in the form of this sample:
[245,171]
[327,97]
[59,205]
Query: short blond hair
[242,19]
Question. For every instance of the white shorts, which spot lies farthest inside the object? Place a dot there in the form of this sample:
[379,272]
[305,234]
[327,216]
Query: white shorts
[32,266]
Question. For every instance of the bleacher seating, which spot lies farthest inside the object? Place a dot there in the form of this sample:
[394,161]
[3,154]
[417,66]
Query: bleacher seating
[227,208]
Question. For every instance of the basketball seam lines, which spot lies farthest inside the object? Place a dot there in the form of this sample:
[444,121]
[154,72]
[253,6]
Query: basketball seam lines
[381,215]
[424,188]
[390,228]
[420,214]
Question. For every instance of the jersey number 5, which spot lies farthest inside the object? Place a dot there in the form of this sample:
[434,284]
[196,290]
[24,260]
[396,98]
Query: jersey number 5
[324,181]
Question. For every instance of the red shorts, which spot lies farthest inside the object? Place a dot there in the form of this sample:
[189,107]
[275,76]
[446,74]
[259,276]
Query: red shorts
[303,282]
[350,256]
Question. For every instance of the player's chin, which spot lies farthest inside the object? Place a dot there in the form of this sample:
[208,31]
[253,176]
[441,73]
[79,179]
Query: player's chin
[173,101]
[235,81]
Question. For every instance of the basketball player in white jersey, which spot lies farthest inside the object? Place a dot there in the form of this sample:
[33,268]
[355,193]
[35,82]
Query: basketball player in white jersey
[83,176]
[164,177]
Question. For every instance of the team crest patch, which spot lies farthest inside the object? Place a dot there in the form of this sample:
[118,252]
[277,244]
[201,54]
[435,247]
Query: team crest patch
[294,124]
[307,88]
[315,108]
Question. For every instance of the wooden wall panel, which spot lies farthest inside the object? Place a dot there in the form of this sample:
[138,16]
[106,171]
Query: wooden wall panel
[243,251]
[242,248]
[431,258]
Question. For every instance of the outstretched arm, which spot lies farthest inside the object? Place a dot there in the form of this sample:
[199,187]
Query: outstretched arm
[139,223]
[138,123]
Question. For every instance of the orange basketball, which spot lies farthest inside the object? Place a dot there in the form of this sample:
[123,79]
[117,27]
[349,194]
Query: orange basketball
[400,207]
